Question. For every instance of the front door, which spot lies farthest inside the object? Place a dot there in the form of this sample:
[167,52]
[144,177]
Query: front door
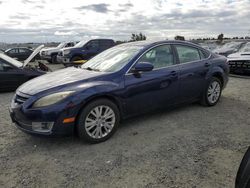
[156,88]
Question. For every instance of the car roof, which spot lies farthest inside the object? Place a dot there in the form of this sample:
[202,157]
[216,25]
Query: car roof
[149,43]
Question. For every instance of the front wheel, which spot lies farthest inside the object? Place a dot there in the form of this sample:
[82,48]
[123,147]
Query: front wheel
[98,121]
[54,59]
[212,93]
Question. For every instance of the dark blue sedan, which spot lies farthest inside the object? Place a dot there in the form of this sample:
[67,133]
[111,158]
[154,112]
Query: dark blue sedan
[123,81]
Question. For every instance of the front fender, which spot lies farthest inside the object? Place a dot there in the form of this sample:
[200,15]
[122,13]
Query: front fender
[89,91]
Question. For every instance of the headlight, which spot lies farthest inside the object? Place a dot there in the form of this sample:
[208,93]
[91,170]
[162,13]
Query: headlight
[66,52]
[51,99]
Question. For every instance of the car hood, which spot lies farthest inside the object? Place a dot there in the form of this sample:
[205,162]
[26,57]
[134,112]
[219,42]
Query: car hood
[57,78]
[51,48]
[240,56]
[224,50]
[70,48]
[35,52]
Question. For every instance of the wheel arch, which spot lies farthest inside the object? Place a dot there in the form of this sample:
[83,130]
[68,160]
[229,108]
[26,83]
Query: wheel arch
[96,97]
[76,55]
[219,76]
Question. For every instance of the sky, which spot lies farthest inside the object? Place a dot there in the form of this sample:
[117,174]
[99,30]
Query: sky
[74,20]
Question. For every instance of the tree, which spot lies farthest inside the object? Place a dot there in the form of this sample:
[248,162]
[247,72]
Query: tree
[220,37]
[179,37]
[138,37]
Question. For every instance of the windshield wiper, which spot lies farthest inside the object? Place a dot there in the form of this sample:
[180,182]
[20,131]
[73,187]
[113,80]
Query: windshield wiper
[91,69]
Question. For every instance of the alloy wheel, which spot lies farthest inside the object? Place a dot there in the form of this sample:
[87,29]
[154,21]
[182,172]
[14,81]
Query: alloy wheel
[100,121]
[213,93]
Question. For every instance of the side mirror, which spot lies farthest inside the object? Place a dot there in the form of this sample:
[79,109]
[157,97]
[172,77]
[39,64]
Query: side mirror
[143,67]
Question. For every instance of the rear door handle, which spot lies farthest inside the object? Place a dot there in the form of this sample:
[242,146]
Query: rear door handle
[173,73]
[207,64]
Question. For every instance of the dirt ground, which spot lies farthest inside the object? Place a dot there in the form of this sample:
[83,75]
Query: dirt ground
[190,146]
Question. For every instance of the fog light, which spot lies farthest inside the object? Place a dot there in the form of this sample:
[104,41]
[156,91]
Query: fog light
[42,126]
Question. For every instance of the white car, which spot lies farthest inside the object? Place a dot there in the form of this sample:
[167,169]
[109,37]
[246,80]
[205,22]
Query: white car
[50,54]
[239,62]
[229,48]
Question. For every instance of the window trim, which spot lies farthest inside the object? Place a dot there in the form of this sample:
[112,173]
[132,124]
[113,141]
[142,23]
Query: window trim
[176,57]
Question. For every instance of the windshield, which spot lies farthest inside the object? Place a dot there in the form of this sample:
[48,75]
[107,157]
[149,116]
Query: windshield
[245,48]
[80,44]
[11,60]
[234,45]
[61,45]
[113,59]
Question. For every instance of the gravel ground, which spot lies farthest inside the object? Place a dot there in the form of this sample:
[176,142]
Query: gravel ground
[191,146]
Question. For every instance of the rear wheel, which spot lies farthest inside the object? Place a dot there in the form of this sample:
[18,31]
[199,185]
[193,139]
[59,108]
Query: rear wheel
[212,93]
[98,121]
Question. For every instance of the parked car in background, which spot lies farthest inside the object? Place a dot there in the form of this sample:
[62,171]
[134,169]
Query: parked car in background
[1,51]
[240,62]
[19,53]
[121,82]
[84,50]
[13,73]
[243,174]
[208,46]
[50,54]
[229,48]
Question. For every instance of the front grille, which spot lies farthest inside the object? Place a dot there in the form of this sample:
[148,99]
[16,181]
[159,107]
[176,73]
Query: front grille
[20,98]
[239,64]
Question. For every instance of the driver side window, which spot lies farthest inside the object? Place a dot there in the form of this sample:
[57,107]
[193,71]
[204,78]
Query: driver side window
[160,57]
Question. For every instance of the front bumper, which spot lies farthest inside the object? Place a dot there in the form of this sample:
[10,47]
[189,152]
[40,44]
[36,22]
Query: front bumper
[239,65]
[42,122]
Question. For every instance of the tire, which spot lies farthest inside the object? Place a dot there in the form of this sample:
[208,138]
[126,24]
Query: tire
[53,59]
[93,128]
[211,96]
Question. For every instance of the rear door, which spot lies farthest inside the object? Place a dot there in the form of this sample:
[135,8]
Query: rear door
[194,66]
[23,53]
[156,88]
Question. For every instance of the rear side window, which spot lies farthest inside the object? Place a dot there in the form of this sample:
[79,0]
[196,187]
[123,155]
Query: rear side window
[70,44]
[204,55]
[189,54]
[23,50]
[106,44]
